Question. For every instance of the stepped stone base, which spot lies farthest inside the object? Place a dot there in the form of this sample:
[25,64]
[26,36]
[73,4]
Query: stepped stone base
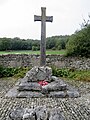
[30,85]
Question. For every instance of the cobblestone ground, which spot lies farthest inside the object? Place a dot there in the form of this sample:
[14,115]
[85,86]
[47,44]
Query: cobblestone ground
[72,109]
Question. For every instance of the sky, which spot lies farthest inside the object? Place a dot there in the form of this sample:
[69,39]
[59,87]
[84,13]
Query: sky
[17,17]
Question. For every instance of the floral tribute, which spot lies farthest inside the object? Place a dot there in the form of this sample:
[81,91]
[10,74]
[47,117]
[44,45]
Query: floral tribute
[42,82]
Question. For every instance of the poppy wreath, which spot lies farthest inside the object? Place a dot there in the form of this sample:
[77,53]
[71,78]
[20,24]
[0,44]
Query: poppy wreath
[42,82]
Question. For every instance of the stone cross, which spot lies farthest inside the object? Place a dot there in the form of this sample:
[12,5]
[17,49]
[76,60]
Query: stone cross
[43,18]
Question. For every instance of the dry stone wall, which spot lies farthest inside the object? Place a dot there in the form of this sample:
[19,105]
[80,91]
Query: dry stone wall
[18,60]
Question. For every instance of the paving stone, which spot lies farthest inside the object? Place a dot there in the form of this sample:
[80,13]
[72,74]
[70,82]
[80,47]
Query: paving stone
[29,114]
[37,113]
[17,114]
[41,113]
[56,115]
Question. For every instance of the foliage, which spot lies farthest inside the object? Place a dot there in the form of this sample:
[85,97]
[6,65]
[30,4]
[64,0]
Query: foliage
[22,71]
[63,72]
[55,42]
[35,48]
[71,74]
[18,44]
[50,43]
[85,22]
[5,43]
[79,43]
[83,75]
[59,47]
[53,48]
[9,72]
[36,44]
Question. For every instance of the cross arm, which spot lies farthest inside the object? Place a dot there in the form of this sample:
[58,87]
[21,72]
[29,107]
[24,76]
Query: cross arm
[49,19]
[39,18]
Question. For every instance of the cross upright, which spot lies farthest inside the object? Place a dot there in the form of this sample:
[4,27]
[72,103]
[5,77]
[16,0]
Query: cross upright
[43,18]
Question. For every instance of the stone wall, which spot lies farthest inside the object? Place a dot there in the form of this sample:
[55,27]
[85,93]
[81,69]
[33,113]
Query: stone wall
[18,60]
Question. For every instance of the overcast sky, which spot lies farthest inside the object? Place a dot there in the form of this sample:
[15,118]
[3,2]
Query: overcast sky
[17,17]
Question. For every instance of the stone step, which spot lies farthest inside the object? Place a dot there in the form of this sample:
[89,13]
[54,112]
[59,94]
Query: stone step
[34,86]
[64,94]
[73,94]
[29,94]
[58,94]
[29,86]
[54,86]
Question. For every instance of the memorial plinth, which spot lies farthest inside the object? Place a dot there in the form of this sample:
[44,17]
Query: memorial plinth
[39,83]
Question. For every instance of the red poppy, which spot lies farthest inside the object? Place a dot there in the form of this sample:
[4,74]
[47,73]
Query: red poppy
[43,83]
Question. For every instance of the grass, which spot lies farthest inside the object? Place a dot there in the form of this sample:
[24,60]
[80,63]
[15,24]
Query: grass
[48,52]
[71,74]
[81,75]
[64,73]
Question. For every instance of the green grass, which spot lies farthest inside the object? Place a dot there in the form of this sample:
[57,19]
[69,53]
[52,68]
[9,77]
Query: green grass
[63,73]
[71,74]
[62,52]
[83,75]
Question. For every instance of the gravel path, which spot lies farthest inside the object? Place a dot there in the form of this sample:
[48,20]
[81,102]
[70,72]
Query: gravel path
[71,109]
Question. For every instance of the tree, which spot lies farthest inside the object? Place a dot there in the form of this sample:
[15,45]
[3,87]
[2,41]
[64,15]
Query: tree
[54,42]
[79,43]
[50,43]
[5,43]
[34,48]
[36,44]
[16,44]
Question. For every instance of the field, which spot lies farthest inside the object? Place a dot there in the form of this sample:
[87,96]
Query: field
[62,52]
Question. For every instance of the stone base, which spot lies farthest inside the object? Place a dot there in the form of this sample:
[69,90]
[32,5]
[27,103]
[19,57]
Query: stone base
[30,87]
